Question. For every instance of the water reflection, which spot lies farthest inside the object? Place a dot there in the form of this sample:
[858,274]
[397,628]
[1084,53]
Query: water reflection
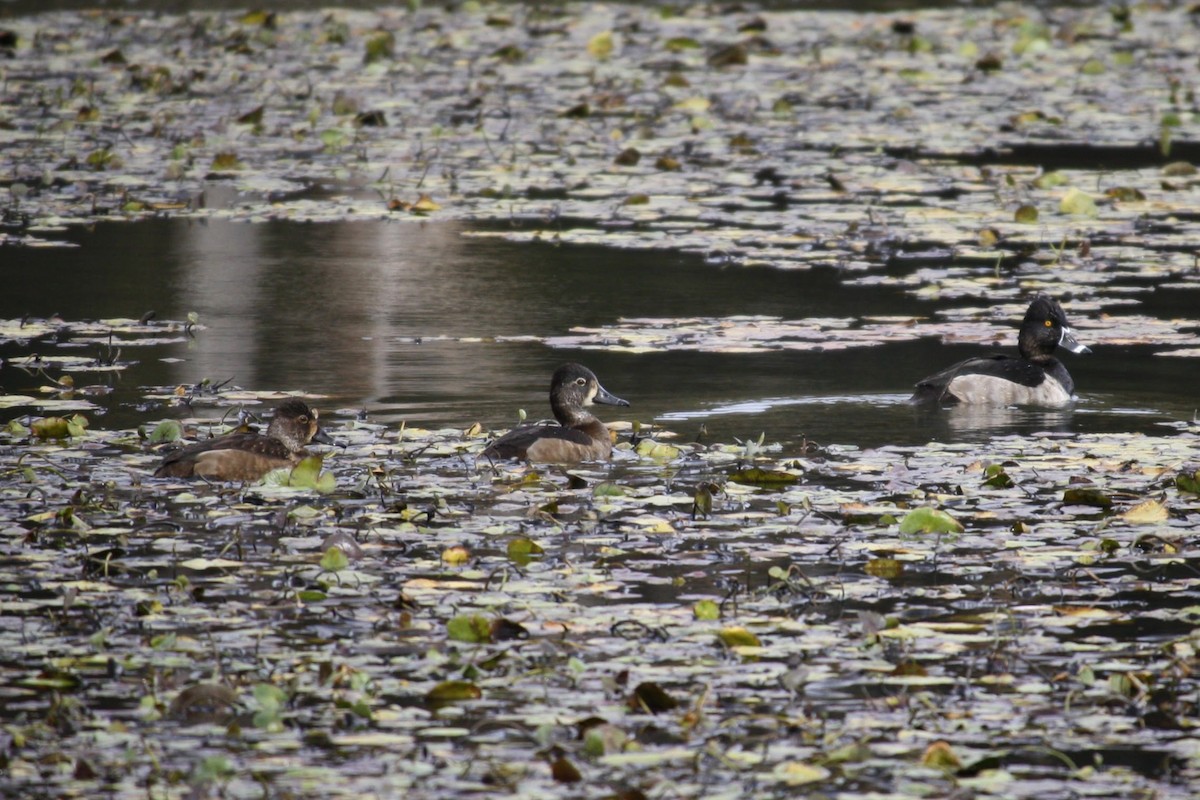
[418,322]
[967,420]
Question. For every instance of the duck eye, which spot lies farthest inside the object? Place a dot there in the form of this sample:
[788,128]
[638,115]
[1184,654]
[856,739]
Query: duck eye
[302,419]
[581,381]
[1049,323]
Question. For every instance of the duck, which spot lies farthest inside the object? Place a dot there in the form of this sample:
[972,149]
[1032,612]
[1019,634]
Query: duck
[247,455]
[1034,378]
[578,436]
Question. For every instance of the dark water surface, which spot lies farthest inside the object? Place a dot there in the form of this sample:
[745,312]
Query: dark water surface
[356,312]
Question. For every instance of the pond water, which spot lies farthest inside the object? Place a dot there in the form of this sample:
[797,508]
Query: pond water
[417,322]
[820,209]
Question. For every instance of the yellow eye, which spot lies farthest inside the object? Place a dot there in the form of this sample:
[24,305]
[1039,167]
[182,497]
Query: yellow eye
[1049,323]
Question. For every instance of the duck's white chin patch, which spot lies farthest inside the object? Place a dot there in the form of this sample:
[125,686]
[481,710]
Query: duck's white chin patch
[989,390]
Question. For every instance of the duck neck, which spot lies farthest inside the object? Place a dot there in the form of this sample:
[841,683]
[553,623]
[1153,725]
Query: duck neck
[280,432]
[571,416]
[1032,350]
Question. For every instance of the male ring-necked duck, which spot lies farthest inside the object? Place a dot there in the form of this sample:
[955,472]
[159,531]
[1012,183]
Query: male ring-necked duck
[579,436]
[1035,378]
[246,455]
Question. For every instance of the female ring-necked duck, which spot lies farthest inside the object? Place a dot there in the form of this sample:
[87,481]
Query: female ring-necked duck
[579,436]
[1036,378]
[246,455]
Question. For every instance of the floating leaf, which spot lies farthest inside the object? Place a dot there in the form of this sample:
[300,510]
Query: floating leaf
[205,697]
[929,520]
[472,628]
[522,551]
[940,755]
[651,697]
[1084,496]
[379,46]
[656,451]
[1026,214]
[1188,481]
[334,560]
[425,204]
[608,489]
[736,636]
[995,477]
[1078,203]
[456,556]
[755,476]
[1126,194]
[51,428]
[629,157]
[795,773]
[706,610]
[453,692]
[227,162]
[1051,179]
[563,771]
[307,475]
[1146,513]
[604,738]
[886,568]
[1179,169]
[254,117]
[509,53]
[679,43]
[730,56]
[600,46]
[51,680]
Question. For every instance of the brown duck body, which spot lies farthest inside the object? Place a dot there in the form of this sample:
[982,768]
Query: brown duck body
[579,436]
[247,456]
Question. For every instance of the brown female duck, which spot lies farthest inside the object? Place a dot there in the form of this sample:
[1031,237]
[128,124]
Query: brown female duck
[246,455]
[579,436]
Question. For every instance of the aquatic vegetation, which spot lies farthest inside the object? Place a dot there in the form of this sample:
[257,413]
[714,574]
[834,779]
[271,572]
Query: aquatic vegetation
[855,620]
[1010,617]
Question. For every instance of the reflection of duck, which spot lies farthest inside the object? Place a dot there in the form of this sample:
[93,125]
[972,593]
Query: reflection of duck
[1035,378]
[579,436]
[245,455]
[987,421]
